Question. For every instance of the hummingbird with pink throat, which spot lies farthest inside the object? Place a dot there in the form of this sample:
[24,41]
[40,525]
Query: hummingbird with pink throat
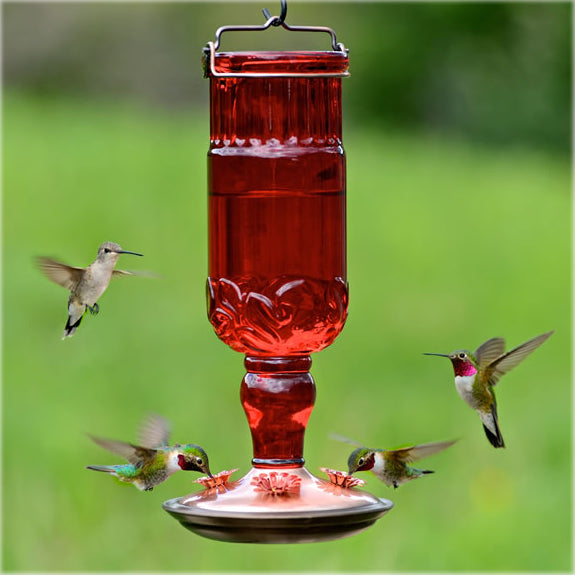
[476,374]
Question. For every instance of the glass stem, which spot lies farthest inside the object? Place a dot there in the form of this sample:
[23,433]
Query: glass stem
[278,395]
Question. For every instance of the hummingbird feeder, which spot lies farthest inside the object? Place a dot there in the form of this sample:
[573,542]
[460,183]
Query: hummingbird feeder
[277,286]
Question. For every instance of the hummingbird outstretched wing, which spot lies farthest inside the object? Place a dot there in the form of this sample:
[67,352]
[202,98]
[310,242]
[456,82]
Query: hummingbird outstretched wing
[155,431]
[514,357]
[489,351]
[409,454]
[132,453]
[62,274]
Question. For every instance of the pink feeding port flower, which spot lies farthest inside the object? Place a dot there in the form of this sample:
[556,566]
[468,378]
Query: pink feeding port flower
[219,481]
[277,484]
[342,479]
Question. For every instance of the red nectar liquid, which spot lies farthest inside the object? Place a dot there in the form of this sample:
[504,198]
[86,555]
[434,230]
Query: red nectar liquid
[277,259]
[277,287]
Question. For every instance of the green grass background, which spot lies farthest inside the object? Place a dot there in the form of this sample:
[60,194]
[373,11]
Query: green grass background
[449,243]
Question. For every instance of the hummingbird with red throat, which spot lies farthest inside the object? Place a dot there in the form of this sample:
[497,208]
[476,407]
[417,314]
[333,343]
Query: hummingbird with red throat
[391,465]
[153,459]
[476,374]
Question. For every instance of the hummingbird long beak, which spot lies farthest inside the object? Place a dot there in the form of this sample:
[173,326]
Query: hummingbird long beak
[127,252]
[438,354]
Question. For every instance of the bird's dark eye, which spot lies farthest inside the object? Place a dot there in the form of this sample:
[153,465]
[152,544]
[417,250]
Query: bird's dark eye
[462,355]
[199,460]
[107,250]
[361,461]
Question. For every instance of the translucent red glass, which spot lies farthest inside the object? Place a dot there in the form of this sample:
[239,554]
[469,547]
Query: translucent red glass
[277,284]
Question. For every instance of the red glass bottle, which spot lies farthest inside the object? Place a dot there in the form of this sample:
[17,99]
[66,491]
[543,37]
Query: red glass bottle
[277,287]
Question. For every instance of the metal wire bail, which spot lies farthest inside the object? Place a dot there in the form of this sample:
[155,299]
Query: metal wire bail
[211,47]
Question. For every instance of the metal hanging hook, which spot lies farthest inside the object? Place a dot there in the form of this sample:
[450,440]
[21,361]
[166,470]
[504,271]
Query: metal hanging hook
[277,20]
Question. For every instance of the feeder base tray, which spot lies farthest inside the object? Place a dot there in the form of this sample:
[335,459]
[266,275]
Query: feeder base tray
[283,506]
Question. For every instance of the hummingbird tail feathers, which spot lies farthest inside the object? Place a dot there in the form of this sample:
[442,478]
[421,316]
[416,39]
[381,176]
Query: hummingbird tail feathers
[414,473]
[70,328]
[104,468]
[494,434]
[495,439]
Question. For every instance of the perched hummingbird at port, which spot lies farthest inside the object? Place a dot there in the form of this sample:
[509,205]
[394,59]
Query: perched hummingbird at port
[476,374]
[391,465]
[154,460]
[87,284]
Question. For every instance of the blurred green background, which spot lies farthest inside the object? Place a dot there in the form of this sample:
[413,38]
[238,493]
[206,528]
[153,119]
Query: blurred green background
[458,136]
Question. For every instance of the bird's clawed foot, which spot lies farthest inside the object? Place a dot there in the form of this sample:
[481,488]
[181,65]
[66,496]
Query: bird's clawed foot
[94,309]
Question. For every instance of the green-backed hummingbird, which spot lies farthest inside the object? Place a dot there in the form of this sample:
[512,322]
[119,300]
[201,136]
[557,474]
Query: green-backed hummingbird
[154,460]
[87,284]
[476,374]
[391,465]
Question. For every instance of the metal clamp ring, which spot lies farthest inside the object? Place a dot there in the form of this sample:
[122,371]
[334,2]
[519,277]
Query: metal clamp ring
[210,69]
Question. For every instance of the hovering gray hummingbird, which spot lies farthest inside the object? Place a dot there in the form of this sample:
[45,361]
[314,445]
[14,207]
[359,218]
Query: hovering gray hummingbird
[86,285]
[154,460]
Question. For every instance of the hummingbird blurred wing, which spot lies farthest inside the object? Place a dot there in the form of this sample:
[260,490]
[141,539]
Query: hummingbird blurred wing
[514,357]
[130,452]
[124,273]
[343,439]
[121,273]
[155,431]
[62,274]
[409,454]
[489,351]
